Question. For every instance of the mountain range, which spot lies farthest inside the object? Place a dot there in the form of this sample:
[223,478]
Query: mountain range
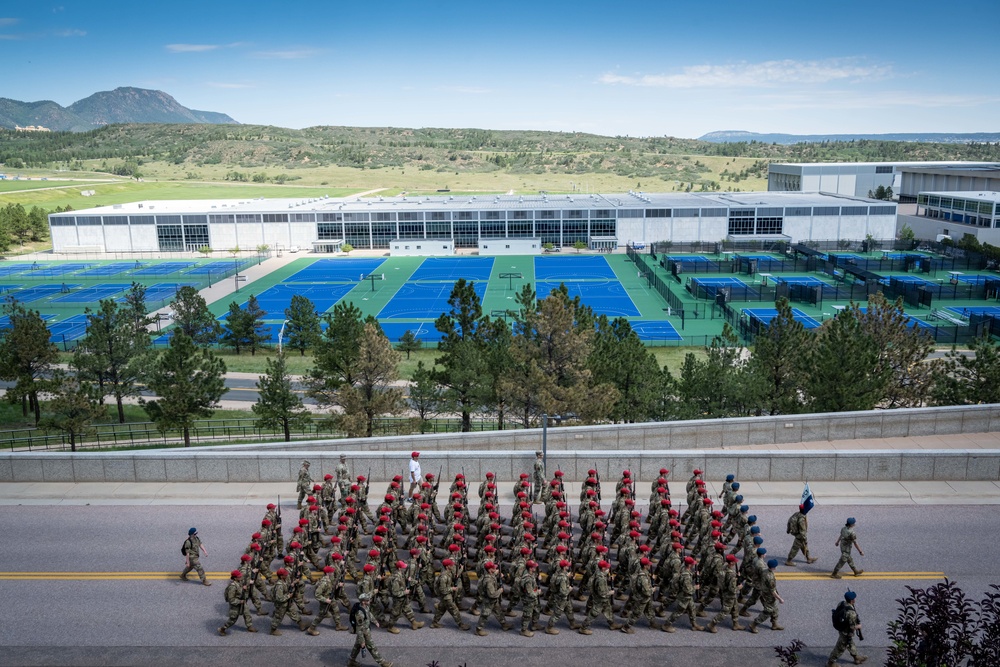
[733,136]
[121,105]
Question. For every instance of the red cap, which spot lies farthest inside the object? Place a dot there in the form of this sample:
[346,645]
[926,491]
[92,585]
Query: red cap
[531,565]
[329,570]
[401,564]
[271,506]
[415,455]
[255,547]
[327,476]
[369,567]
[295,545]
[592,472]
[336,556]
[688,560]
[265,522]
[255,536]
[361,478]
[564,563]
[289,559]
[664,472]
[447,562]
[414,551]
[604,565]
[454,547]
[282,572]
[525,551]
[489,475]
[246,558]
[303,522]
[730,558]
[644,561]
[559,473]
[696,471]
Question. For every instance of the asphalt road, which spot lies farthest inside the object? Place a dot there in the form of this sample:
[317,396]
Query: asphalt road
[158,620]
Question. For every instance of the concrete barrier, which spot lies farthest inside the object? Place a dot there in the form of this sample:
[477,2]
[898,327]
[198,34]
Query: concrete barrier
[282,466]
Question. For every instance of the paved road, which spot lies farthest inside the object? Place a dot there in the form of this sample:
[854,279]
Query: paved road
[154,619]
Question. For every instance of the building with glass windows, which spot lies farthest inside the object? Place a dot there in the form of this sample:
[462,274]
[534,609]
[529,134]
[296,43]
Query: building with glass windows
[602,221]
[955,214]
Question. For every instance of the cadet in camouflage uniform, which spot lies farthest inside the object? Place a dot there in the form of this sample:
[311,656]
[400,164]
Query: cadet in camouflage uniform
[641,600]
[343,479]
[528,586]
[768,596]
[192,558]
[490,592]
[235,592]
[798,526]
[399,594]
[363,634]
[847,541]
[304,484]
[327,602]
[538,478]
[685,597]
[445,588]
[728,590]
[559,602]
[254,585]
[845,641]
[600,600]
[282,598]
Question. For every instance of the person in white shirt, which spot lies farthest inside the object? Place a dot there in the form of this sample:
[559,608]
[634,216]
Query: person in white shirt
[415,478]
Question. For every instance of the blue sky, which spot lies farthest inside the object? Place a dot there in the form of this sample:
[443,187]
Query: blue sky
[636,68]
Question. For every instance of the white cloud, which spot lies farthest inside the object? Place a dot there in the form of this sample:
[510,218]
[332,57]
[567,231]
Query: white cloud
[290,54]
[9,21]
[71,32]
[884,99]
[227,84]
[764,74]
[191,48]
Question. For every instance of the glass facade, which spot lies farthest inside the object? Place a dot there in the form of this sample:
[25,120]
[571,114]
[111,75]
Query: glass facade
[973,212]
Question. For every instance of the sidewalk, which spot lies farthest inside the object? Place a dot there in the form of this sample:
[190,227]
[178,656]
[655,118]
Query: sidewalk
[222,493]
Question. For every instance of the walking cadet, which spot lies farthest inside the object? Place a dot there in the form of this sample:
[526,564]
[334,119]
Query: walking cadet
[361,619]
[685,590]
[559,602]
[343,479]
[850,624]
[282,599]
[192,558]
[729,587]
[768,589]
[600,601]
[325,596]
[304,484]
[798,526]
[489,591]
[399,594]
[446,588]
[847,541]
[528,586]
[236,597]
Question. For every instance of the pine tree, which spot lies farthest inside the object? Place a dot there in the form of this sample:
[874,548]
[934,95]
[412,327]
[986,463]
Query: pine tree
[336,353]
[135,305]
[111,353]
[258,333]
[842,365]
[26,356]
[462,367]
[408,343]
[370,395]
[192,316]
[278,406]
[238,329]
[496,340]
[188,381]
[778,363]
[621,360]
[73,407]
[903,351]
[963,379]
[303,326]
[426,397]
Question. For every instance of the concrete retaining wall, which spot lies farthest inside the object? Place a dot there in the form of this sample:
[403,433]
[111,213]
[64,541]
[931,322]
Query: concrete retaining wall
[769,465]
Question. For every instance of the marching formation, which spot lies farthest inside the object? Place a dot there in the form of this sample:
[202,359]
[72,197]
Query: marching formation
[575,561]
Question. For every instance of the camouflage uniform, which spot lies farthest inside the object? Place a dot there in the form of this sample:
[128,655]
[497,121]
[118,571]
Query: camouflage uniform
[363,639]
[234,596]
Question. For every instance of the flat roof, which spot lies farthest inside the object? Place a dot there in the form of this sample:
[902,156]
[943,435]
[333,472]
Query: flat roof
[965,194]
[957,167]
[924,163]
[625,200]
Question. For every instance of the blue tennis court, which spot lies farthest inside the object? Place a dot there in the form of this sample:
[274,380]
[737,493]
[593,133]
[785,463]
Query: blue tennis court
[163,269]
[741,291]
[694,259]
[913,280]
[4,289]
[335,270]
[606,298]
[425,331]
[69,329]
[655,330]
[39,292]
[220,266]
[765,315]
[93,294]
[965,311]
[759,258]
[108,269]
[801,280]
[847,255]
[58,269]
[453,268]
[274,300]
[902,255]
[13,269]
[573,268]
[161,291]
[976,280]
[5,320]
[423,300]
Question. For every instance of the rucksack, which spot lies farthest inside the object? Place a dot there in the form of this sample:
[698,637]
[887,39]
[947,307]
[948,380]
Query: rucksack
[840,618]
[353,617]
[184,547]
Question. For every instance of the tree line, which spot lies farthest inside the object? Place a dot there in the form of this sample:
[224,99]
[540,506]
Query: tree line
[546,356]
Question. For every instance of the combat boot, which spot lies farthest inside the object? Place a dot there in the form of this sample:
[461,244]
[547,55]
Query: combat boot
[250,628]
[835,575]
[859,573]
[668,627]
[261,612]
[629,630]
[585,631]
[222,631]
[303,624]
[711,628]
[615,626]
[340,626]
[353,663]
[392,630]
[481,633]
[527,633]
[436,624]
[753,627]
[276,632]
[811,560]
[505,627]
[312,631]
[416,625]
[696,627]
[776,627]
[789,563]
[737,626]
[573,625]
[549,630]
[744,612]
[464,626]
[860,659]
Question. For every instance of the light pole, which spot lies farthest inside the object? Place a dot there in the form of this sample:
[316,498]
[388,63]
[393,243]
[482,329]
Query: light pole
[281,334]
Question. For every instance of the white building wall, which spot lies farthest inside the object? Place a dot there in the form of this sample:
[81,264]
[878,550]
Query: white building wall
[810,183]
[117,238]
[63,237]
[144,237]
[249,236]
[222,236]
[799,227]
[302,234]
[276,235]
[854,227]
[882,226]
[424,247]
[509,246]
[714,229]
[632,230]
[92,235]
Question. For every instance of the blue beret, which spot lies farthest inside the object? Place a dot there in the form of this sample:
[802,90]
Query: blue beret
[752,518]
[773,563]
[744,508]
[761,551]
[851,521]
[758,539]
[730,478]
[754,530]
[736,485]
[192,531]
[850,595]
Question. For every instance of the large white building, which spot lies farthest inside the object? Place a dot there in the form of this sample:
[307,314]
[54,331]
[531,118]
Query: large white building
[859,178]
[955,214]
[597,220]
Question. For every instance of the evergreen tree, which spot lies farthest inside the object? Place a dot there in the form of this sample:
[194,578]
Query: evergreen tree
[38,219]
[239,328]
[26,356]
[111,352]
[719,385]
[370,395]
[258,333]
[135,305]
[426,397]
[303,326]
[192,316]
[16,224]
[188,381]
[74,406]
[620,359]
[496,340]
[843,363]
[964,379]
[278,406]
[778,364]
[408,343]
[903,351]
[462,366]
[336,353]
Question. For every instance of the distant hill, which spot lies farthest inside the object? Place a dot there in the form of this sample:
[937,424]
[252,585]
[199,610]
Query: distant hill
[732,136]
[121,105]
